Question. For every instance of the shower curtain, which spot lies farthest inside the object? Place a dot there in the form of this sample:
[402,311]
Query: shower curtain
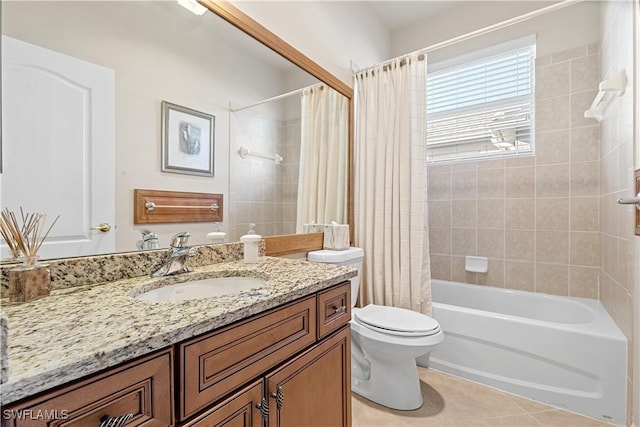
[390,184]
[323,179]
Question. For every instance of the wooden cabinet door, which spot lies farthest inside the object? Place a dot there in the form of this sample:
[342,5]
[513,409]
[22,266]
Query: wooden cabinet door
[239,410]
[313,389]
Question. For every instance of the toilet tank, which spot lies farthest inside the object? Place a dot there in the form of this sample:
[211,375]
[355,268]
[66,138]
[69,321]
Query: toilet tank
[351,257]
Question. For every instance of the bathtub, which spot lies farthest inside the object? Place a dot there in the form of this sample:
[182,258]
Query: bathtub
[563,351]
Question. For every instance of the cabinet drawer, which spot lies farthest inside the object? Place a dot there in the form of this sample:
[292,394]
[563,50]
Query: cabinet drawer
[142,388]
[334,309]
[241,409]
[214,365]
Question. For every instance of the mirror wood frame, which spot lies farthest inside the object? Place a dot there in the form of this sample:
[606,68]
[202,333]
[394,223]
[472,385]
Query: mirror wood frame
[292,243]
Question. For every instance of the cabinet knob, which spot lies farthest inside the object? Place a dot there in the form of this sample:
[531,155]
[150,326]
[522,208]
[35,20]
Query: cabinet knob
[279,396]
[340,310]
[117,421]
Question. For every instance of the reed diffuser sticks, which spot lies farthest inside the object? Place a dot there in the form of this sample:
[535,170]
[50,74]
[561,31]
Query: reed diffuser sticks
[25,234]
[26,237]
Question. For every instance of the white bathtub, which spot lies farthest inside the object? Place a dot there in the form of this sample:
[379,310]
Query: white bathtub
[563,351]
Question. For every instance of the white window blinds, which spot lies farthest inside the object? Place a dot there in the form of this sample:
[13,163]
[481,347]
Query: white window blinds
[483,107]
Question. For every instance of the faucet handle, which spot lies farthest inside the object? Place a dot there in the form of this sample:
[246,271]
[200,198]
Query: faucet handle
[180,240]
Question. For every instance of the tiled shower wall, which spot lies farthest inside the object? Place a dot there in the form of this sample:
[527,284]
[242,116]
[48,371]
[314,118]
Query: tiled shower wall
[616,177]
[535,218]
[263,192]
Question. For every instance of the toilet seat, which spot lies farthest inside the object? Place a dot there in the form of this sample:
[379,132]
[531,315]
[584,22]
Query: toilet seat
[396,321]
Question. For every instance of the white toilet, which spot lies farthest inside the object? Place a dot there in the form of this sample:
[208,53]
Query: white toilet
[385,342]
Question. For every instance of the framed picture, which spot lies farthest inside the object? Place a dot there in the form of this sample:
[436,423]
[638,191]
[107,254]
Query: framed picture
[187,140]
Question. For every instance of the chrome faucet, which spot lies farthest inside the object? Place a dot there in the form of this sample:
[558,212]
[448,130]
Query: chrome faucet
[176,263]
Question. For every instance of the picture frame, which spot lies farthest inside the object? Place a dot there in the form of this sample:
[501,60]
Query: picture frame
[187,140]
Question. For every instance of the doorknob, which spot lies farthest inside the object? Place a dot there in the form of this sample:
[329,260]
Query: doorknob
[104,227]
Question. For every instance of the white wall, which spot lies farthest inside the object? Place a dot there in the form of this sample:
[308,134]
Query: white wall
[330,33]
[159,51]
[557,31]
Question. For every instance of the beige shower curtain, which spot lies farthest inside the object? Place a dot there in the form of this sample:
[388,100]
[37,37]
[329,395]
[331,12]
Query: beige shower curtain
[390,184]
[323,180]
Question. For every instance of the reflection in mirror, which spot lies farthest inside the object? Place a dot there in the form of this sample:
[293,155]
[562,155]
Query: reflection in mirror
[156,51]
[289,161]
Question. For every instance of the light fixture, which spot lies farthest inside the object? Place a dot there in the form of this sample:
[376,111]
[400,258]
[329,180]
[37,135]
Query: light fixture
[192,6]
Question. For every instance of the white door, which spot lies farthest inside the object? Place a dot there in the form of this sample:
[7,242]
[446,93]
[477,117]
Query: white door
[59,146]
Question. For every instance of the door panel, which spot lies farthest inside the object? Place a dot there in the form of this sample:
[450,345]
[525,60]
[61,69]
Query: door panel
[58,118]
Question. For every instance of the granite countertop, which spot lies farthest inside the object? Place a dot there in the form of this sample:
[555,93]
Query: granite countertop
[76,332]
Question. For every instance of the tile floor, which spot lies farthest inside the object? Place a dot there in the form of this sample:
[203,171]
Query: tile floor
[451,401]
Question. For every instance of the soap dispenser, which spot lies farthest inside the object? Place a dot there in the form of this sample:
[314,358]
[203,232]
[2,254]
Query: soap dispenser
[250,242]
[216,236]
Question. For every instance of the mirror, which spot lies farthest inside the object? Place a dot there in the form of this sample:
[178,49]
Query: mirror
[159,51]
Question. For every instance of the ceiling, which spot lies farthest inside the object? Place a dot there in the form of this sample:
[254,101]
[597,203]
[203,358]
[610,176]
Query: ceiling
[396,14]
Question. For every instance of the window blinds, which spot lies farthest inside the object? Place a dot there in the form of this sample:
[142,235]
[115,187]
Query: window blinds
[483,107]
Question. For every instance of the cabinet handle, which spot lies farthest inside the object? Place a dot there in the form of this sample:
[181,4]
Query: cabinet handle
[279,396]
[117,421]
[263,406]
[340,310]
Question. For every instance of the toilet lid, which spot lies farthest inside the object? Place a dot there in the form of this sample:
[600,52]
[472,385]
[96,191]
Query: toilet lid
[396,321]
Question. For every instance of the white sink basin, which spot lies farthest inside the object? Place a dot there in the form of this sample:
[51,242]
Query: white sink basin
[205,288]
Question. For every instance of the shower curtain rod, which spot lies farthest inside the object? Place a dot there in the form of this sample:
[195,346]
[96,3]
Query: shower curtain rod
[275,98]
[485,30]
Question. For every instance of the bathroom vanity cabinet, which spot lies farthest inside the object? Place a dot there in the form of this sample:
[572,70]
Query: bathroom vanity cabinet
[289,366]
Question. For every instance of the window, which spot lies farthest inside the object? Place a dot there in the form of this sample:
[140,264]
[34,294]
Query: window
[482,106]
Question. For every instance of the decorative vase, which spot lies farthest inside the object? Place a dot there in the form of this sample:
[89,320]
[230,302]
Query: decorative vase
[29,281]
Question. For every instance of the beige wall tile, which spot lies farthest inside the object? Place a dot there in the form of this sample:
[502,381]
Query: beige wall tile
[580,102]
[440,240]
[552,147]
[491,243]
[552,180]
[439,186]
[585,144]
[568,54]
[491,164]
[584,215]
[491,183]
[464,185]
[439,213]
[553,113]
[552,213]
[438,168]
[519,245]
[463,213]
[440,266]
[520,213]
[458,273]
[583,282]
[520,182]
[585,73]
[494,275]
[584,179]
[491,213]
[585,248]
[552,279]
[463,241]
[553,80]
[519,275]
[520,161]
[552,247]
